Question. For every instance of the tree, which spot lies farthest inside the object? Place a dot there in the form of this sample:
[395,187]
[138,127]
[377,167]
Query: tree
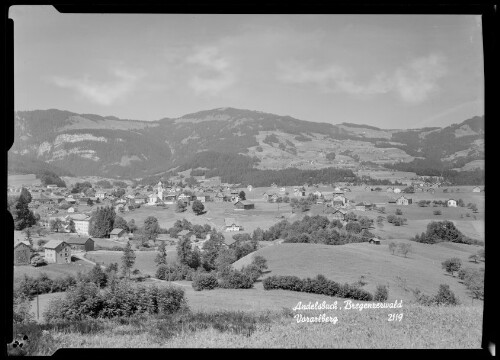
[28,236]
[445,296]
[353,227]
[90,202]
[211,250]
[474,281]
[128,259]
[365,222]
[437,212]
[330,156]
[452,265]
[392,247]
[260,262]
[242,195]
[121,223]
[474,208]
[161,257]
[404,248]
[98,276]
[474,258]
[56,225]
[102,222]
[184,251]
[151,228]
[198,207]
[181,206]
[460,203]
[380,221]
[71,226]
[399,212]
[23,216]
[132,226]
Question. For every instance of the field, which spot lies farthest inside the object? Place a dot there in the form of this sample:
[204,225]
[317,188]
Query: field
[144,260]
[53,270]
[347,263]
[22,180]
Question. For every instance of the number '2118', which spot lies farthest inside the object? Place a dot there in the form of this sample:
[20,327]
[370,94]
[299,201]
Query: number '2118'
[395,317]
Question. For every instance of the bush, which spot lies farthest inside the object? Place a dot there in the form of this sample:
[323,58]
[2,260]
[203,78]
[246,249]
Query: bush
[119,299]
[236,280]
[204,281]
[452,265]
[445,296]
[37,261]
[253,271]
[381,293]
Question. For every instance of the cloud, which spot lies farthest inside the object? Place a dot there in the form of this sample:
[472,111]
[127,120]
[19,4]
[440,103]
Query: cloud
[213,71]
[102,92]
[413,83]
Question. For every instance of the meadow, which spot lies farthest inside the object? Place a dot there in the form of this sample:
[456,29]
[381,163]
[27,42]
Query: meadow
[420,328]
[53,270]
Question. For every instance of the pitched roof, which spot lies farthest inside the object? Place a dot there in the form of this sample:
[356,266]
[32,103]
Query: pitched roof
[79,217]
[78,240]
[22,242]
[244,202]
[52,244]
[116,231]
[183,232]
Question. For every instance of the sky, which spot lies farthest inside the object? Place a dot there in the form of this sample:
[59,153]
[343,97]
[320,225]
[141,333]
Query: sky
[389,71]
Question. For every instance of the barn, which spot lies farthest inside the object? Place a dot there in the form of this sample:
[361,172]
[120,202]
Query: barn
[244,205]
[117,233]
[22,253]
[81,243]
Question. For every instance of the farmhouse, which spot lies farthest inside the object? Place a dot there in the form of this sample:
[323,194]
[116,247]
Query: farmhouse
[244,205]
[452,203]
[476,189]
[58,252]
[397,190]
[81,243]
[22,253]
[71,209]
[117,233]
[374,241]
[82,222]
[403,201]
[249,188]
[232,225]
[360,207]
[141,199]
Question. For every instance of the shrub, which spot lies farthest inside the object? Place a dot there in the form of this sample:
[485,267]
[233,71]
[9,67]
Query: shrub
[399,212]
[381,293]
[236,280]
[437,212]
[445,296]
[253,271]
[37,261]
[204,281]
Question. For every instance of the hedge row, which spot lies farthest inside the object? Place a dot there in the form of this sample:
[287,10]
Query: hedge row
[318,285]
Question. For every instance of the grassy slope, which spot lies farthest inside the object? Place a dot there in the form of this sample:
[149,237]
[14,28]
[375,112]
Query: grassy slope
[346,263]
[53,270]
[420,328]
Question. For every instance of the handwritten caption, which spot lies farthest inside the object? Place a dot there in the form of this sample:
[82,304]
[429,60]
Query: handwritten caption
[347,305]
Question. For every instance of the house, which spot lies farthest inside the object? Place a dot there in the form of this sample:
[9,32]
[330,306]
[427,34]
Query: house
[452,203]
[22,253]
[338,214]
[81,222]
[403,201]
[52,187]
[182,233]
[101,194]
[249,188]
[397,190]
[57,252]
[201,198]
[232,225]
[141,199]
[476,189]
[117,233]
[360,207]
[244,205]
[152,199]
[81,243]
[339,200]
[170,199]
[71,209]
[283,189]
[317,193]
[374,241]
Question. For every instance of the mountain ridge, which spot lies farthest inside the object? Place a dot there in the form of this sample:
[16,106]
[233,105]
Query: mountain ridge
[90,144]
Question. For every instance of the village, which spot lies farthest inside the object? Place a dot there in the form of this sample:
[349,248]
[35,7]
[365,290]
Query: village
[63,215]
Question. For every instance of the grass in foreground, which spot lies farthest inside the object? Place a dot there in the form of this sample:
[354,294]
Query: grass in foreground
[421,327]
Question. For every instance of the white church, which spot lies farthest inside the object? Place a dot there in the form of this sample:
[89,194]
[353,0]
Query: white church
[157,195]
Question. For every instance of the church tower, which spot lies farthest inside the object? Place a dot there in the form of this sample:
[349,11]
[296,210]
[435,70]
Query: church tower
[160,191]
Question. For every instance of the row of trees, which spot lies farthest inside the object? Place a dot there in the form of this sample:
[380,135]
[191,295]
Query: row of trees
[439,231]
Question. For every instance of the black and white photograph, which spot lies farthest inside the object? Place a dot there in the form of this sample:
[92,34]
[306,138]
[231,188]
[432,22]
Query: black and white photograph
[285,181]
